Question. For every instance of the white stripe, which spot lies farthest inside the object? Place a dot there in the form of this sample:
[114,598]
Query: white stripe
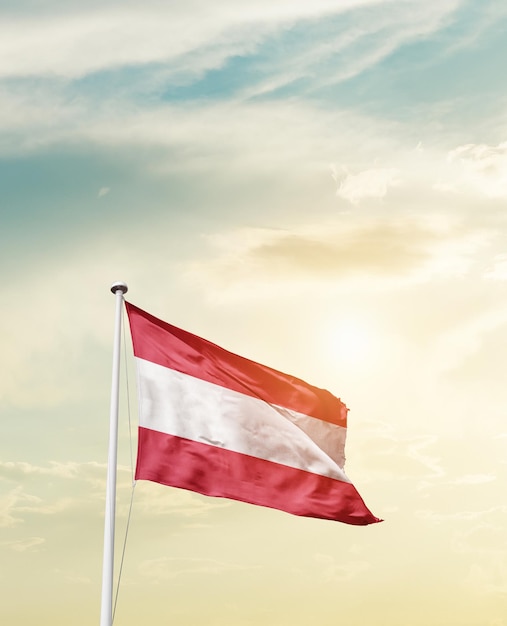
[185,406]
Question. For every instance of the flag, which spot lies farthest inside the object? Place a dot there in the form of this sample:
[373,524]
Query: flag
[216,423]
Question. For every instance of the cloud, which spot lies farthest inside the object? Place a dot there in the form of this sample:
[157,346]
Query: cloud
[153,500]
[396,458]
[16,504]
[30,544]
[488,579]
[17,469]
[464,516]
[57,43]
[482,167]
[214,136]
[72,577]
[55,489]
[377,249]
[465,340]
[336,49]
[474,479]
[485,545]
[38,506]
[480,539]
[431,463]
[9,502]
[498,268]
[372,183]
[103,191]
[43,350]
[166,568]
[381,252]
[69,487]
[161,48]
[332,572]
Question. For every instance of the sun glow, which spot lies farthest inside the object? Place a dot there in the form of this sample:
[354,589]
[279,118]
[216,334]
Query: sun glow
[350,341]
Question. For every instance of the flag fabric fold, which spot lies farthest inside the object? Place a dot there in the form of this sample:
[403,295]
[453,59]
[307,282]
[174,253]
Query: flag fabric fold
[222,425]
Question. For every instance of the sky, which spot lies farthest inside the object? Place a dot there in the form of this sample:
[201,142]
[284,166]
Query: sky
[319,186]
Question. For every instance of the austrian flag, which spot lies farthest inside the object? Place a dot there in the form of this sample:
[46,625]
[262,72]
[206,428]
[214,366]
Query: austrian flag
[221,425]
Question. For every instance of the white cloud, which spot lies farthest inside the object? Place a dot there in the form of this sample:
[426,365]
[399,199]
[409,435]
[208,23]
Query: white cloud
[481,538]
[56,490]
[473,479]
[11,469]
[465,339]
[59,43]
[8,508]
[155,500]
[482,167]
[166,568]
[226,137]
[432,463]
[465,516]
[62,45]
[485,545]
[16,504]
[498,269]
[354,49]
[24,545]
[72,577]
[333,572]
[61,489]
[489,579]
[372,183]
[103,191]
[374,253]
[38,506]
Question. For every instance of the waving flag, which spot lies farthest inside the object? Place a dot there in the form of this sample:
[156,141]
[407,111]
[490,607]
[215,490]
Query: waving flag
[221,425]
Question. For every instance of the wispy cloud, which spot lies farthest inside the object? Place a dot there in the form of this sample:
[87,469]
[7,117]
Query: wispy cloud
[474,479]
[465,339]
[58,42]
[9,503]
[214,135]
[166,568]
[372,183]
[140,55]
[81,487]
[465,516]
[403,458]
[30,544]
[498,268]
[54,490]
[153,500]
[484,537]
[338,48]
[482,168]
[16,504]
[488,579]
[72,577]
[390,250]
[485,545]
[18,469]
[333,572]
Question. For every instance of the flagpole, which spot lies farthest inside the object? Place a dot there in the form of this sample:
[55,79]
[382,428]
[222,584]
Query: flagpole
[106,612]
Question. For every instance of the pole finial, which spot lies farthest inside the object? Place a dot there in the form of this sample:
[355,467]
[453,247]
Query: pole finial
[119,286]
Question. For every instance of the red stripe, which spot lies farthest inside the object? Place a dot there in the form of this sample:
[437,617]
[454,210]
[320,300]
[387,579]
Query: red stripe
[166,345]
[214,471]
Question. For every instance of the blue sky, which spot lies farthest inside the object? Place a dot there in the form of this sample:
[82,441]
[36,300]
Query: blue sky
[317,186]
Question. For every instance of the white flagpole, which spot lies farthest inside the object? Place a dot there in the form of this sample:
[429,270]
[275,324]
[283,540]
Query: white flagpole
[106,612]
